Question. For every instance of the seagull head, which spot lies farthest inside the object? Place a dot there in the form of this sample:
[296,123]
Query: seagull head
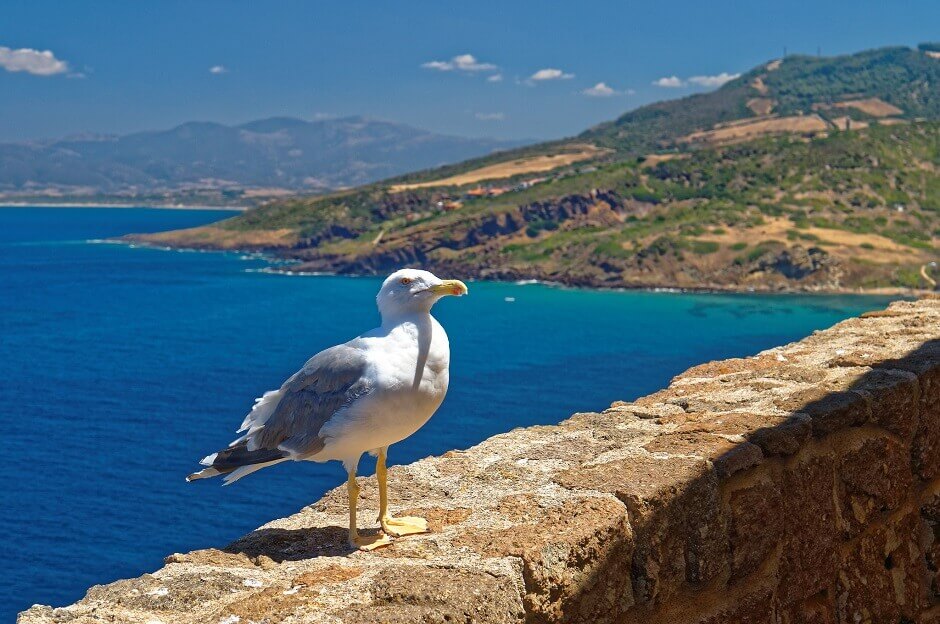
[412,290]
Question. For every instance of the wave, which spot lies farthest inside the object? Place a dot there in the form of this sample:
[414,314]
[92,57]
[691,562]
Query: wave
[275,271]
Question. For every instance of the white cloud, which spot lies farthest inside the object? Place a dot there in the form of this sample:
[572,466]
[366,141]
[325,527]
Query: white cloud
[218,69]
[461,62]
[601,89]
[674,82]
[490,116]
[467,62]
[495,78]
[439,65]
[669,82]
[550,74]
[713,81]
[31,61]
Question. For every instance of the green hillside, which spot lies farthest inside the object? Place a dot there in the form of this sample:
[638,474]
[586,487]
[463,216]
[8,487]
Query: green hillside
[900,76]
[807,173]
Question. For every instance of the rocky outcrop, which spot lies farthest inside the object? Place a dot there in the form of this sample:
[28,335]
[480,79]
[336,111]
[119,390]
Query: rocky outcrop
[796,263]
[798,485]
[476,246]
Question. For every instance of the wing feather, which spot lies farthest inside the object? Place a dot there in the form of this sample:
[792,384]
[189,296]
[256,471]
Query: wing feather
[329,381]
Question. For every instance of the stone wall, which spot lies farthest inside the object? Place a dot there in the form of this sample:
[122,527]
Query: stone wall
[799,485]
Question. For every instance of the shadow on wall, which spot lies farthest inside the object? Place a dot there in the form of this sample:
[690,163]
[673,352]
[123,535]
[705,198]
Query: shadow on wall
[817,502]
[281,545]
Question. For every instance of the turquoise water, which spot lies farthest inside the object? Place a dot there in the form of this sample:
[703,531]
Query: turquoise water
[120,367]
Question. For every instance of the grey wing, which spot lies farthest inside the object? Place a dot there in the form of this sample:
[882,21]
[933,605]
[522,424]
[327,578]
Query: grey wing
[329,381]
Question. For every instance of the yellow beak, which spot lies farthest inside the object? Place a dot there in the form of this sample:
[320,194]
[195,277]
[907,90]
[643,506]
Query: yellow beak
[449,287]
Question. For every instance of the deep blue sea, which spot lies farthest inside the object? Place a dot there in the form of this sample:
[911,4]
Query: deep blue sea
[120,367]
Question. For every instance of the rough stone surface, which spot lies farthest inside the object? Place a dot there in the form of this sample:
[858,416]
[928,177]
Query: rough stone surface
[801,485]
[810,534]
[875,477]
[756,522]
[881,575]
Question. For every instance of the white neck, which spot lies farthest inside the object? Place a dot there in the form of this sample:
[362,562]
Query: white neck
[413,309]
[418,315]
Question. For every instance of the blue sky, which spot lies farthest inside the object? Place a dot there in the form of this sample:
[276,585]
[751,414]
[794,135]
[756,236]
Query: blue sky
[127,66]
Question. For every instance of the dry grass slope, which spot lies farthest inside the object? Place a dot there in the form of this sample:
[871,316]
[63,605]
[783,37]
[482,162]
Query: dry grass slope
[871,106]
[211,237]
[747,130]
[508,169]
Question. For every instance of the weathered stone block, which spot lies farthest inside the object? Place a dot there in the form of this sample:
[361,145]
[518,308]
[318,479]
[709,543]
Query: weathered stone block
[755,524]
[931,616]
[725,423]
[810,535]
[765,366]
[875,476]
[680,532]
[930,542]
[408,594]
[169,594]
[756,608]
[576,559]
[706,532]
[784,438]
[925,448]
[932,561]
[924,361]
[894,397]
[931,508]
[773,433]
[818,609]
[829,410]
[727,456]
[881,574]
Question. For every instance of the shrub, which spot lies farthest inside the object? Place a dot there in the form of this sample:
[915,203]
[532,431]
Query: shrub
[702,248]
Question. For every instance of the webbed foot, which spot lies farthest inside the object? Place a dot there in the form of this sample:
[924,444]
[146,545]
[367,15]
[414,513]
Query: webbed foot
[370,542]
[406,525]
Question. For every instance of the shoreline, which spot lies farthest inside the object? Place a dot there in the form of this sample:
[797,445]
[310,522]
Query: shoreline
[522,281]
[122,205]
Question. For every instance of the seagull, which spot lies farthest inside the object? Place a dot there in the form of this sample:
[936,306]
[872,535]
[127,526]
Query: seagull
[360,396]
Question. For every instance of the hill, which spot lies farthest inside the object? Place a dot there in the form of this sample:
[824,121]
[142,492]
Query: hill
[894,82]
[261,158]
[804,173]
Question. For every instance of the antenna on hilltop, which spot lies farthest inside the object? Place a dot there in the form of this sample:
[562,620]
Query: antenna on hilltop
[818,50]
[784,51]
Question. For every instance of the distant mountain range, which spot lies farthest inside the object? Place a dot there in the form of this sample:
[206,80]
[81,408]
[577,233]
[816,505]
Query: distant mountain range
[280,153]
[805,173]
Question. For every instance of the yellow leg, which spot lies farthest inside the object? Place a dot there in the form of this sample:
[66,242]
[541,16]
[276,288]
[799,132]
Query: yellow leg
[396,527]
[381,472]
[356,540]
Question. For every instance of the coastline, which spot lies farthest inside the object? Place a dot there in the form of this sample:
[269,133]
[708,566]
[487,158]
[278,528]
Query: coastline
[286,266]
[121,205]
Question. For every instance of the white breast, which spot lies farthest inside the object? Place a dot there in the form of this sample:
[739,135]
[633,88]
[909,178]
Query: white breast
[409,364]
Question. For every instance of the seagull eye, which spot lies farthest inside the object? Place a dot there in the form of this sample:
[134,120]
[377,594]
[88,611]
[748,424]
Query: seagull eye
[406,280]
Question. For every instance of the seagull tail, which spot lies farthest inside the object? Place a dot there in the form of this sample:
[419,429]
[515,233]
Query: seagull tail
[237,461]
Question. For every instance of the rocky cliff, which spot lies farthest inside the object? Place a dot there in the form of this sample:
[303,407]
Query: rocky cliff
[798,485]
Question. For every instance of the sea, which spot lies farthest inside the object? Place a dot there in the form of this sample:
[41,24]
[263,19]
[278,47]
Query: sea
[121,366]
